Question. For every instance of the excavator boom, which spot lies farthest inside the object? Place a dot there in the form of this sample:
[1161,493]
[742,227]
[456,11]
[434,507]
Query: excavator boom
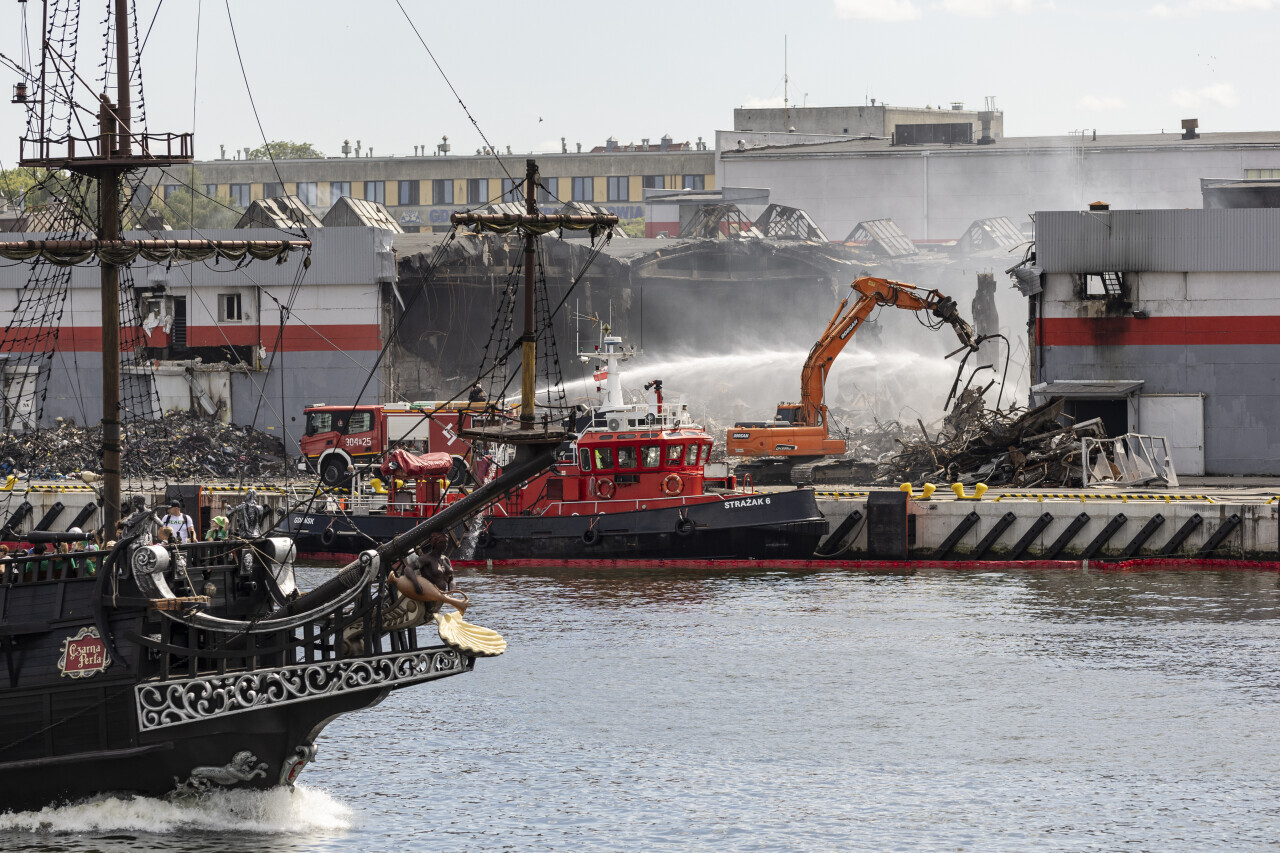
[799,431]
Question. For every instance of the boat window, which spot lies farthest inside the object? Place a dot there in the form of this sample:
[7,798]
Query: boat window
[360,422]
[706,453]
[675,452]
[584,459]
[318,422]
[626,457]
[650,456]
[604,458]
[691,455]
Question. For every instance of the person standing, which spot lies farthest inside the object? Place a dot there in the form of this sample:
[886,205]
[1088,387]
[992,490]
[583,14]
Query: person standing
[184,529]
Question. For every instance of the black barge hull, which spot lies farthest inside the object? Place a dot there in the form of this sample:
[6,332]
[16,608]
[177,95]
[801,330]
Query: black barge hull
[783,525]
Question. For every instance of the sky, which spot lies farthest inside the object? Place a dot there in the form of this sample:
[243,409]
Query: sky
[532,72]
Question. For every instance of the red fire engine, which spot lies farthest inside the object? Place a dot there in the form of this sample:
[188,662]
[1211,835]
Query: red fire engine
[340,438]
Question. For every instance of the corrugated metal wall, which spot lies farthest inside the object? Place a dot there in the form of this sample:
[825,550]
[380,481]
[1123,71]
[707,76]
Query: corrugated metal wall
[1242,240]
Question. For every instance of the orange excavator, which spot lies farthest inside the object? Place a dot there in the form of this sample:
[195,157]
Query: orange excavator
[792,448]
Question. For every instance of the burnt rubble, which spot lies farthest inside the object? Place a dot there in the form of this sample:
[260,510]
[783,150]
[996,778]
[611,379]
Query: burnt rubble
[1017,447]
[179,446]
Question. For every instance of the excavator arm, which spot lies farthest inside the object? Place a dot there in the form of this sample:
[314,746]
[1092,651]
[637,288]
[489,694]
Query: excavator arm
[788,448]
[872,293]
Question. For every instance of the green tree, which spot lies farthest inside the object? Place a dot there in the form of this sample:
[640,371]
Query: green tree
[29,187]
[281,150]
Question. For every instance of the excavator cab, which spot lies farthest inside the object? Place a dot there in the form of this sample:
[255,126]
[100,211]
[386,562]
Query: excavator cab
[787,413]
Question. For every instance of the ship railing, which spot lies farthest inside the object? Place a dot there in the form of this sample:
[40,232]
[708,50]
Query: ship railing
[358,502]
[358,630]
[52,566]
[149,146]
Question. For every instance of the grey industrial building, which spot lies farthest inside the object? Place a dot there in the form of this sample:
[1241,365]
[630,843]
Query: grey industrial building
[934,191]
[1165,322]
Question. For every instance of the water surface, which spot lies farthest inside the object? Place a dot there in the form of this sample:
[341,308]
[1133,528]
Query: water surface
[778,711]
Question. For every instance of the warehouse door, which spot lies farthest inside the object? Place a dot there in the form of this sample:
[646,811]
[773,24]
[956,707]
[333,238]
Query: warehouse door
[1180,419]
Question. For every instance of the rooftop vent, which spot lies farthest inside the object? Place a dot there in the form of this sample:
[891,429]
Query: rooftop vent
[1189,126]
[1099,205]
[665,142]
[957,105]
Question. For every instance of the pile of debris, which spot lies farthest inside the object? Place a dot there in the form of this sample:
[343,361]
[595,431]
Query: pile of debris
[179,446]
[1023,448]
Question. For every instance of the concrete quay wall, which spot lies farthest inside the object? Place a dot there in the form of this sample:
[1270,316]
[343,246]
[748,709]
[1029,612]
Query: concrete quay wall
[930,523]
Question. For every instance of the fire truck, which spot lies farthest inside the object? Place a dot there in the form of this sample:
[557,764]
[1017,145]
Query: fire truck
[340,439]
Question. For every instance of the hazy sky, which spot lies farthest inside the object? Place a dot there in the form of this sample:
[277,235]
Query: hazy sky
[531,72]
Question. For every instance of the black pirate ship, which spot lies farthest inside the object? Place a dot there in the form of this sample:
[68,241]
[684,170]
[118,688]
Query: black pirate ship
[158,668]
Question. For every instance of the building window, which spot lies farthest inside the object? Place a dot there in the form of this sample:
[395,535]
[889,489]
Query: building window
[375,191]
[548,190]
[1262,174]
[339,189]
[240,195]
[583,189]
[512,190]
[654,182]
[169,189]
[272,190]
[229,307]
[308,193]
[408,192]
[442,192]
[619,189]
[477,190]
[211,190]
[1101,285]
[695,182]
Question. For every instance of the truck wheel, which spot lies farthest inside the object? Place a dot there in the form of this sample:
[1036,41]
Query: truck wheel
[334,472]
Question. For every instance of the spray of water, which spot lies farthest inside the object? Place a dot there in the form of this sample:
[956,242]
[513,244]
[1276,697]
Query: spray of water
[747,385]
[279,810]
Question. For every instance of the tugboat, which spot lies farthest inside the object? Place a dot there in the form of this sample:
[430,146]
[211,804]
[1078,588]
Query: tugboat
[634,484]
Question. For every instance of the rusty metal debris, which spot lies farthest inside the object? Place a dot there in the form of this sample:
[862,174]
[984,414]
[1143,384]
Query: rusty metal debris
[1016,447]
[179,446]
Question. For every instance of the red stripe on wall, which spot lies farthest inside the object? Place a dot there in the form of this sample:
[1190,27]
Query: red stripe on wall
[1158,331]
[330,337]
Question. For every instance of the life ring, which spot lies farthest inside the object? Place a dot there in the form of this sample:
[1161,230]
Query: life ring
[486,539]
[605,488]
[590,536]
[684,526]
[672,484]
[328,536]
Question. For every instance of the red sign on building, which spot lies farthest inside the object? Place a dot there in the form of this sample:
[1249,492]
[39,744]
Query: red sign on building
[84,654]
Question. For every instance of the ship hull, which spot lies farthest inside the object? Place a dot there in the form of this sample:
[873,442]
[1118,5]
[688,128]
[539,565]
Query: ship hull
[254,729]
[782,525]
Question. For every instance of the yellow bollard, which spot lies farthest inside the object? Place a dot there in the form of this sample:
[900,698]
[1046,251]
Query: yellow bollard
[927,490]
[906,487]
[979,489]
[378,488]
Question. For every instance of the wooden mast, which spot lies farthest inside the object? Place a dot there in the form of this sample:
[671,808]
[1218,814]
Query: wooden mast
[107,159]
[532,223]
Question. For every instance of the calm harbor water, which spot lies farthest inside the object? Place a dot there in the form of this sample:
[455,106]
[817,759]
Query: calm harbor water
[775,711]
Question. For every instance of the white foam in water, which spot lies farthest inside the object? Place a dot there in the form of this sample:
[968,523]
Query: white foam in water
[278,810]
